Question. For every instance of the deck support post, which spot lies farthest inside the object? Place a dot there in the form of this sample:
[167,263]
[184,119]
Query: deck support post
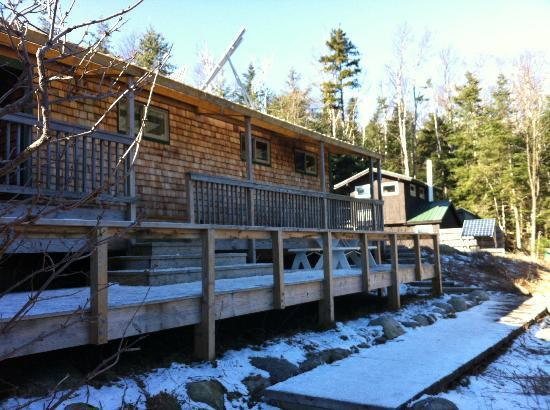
[394,301]
[99,307]
[131,177]
[205,331]
[278,270]
[365,268]
[190,201]
[417,259]
[324,185]
[326,304]
[250,191]
[437,282]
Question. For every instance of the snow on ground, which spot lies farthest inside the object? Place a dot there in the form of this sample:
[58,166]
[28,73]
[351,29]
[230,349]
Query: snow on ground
[231,368]
[518,379]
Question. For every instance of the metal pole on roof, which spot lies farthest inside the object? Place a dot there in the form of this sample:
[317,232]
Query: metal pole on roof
[227,59]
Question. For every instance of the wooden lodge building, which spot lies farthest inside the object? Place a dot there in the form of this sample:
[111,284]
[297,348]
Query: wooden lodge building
[209,174]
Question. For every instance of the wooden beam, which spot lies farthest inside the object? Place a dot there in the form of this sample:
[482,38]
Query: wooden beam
[371,178]
[437,282]
[365,268]
[324,185]
[205,331]
[326,304]
[394,301]
[131,177]
[190,200]
[278,270]
[99,303]
[418,258]
[250,192]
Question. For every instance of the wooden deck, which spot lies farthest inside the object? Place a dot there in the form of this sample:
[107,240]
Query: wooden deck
[105,312]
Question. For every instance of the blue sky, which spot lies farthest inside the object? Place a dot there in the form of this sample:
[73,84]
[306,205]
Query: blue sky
[486,35]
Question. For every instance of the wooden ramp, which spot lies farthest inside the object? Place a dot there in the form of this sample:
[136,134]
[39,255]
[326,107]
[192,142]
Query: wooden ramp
[391,375]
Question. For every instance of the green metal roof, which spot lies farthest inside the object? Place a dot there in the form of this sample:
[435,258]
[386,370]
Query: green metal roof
[431,212]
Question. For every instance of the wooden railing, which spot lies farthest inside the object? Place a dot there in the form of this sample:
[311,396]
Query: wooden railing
[66,166]
[228,201]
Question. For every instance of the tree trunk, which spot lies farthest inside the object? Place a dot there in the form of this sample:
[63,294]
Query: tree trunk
[517,222]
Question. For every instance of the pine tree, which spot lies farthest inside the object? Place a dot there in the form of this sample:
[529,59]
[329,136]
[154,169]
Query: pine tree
[101,35]
[342,66]
[152,49]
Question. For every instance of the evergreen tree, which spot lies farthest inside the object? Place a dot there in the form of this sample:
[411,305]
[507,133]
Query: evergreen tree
[152,49]
[341,63]
[101,35]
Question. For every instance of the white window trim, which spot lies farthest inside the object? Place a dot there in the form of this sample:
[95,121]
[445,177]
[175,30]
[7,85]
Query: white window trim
[391,183]
[366,188]
[422,193]
[412,190]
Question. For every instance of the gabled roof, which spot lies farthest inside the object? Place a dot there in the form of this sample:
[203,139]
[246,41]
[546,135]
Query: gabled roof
[399,177]
[432,212]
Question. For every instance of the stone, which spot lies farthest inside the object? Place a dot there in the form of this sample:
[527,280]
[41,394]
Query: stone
[210,392]
[434,403]
[412,324]
[380,340]
[445,307]
[278,369]
[162,401]
[256,384]
[459,304]
[324,356]
[480,295]
[392,328]
[423,320]
[80,406]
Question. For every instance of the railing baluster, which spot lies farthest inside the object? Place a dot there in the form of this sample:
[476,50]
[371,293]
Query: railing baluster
[117,173]
[109,170]
[17,152]
[48,165]
[67,150]
[93,146]
[8,149]
[57,162]
[84,163]
[101,164]
[75,163]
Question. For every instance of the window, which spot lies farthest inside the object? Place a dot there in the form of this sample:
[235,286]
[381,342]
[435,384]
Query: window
[305,162]
[362,191]
[390,188]
[412,189]
[421,192]
[156,126]
[261,150]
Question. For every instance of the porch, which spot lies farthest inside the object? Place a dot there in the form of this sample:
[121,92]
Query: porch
[87,169]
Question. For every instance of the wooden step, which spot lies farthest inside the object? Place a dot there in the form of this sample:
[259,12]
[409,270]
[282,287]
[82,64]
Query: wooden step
[172,261]
[159,277]
[190,247]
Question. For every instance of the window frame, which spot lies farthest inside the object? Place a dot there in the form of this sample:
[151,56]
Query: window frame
[366,188]
[306,154]
[255,160]
[422,192]
[390,183]
[139,108]
[412,190]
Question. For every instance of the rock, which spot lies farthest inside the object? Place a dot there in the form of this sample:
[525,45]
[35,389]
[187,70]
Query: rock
[392,328]
[324,356]
[380,340]
[80,406]
[444,306]
[278,369]
[423,320]
[480,295]
[434,403]
[162,401]
[411,324]
[458,303]
[210,392]
[256,384]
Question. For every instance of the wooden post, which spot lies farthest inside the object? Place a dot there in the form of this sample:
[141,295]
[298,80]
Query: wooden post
[324,186]
[326,304]
[379,179]
[190,201]
[394,301]
[365,268]
[99,303]
[437,282]
[131,177]
[205,331]
[371,178]
[417,259]
[250,191]
[278,270]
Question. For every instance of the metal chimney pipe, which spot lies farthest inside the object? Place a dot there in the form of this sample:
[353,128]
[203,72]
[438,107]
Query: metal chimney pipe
[430,180]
